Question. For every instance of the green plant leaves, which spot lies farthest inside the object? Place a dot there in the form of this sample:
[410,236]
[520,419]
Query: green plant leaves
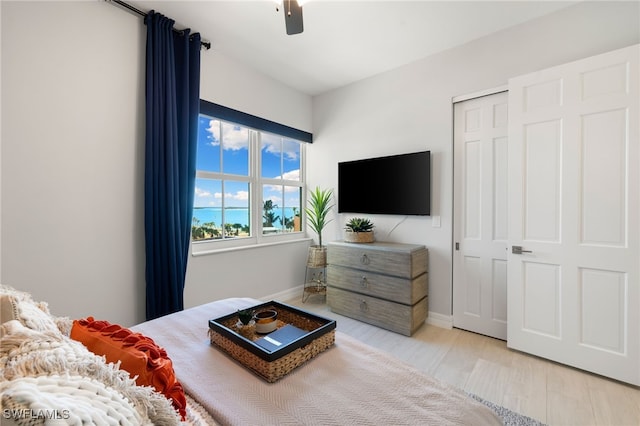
[319,207]
[359,224]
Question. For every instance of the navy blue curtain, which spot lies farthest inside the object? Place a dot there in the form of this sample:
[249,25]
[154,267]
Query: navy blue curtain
[172,105]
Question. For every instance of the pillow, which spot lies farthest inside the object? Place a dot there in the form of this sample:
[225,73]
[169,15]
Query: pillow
[18,305]
[8,308]
[145,361]
[26,353]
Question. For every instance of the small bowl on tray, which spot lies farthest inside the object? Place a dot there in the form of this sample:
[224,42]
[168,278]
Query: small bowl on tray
[266,321]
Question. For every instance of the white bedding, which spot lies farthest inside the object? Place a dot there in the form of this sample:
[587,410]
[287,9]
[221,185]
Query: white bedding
[349,384]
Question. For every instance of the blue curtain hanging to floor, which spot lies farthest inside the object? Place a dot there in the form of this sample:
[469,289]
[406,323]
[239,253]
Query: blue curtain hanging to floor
[172,105]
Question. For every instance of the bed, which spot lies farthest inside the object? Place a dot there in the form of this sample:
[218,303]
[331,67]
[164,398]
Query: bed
[50,374]
[348,384]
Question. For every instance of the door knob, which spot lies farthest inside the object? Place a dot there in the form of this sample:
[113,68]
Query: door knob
[519,250]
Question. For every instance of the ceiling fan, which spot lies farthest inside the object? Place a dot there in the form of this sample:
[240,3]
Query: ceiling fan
[292,15]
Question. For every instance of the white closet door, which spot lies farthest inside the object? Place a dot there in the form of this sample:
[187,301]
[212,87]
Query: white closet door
[480,216]
[574,187]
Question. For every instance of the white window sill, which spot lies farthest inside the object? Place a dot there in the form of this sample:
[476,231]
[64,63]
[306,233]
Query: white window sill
[208,251]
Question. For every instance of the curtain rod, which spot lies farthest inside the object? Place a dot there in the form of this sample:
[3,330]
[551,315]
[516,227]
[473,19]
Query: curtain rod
[203,43]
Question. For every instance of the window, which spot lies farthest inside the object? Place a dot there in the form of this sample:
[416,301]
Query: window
[281,184]
[249,180]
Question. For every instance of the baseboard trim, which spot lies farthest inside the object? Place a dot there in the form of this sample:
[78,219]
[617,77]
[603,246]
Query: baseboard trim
[439,320]
[288,294]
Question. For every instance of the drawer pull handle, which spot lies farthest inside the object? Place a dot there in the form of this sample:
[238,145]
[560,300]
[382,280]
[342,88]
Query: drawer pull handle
[363,306]
[364,282]
[364,259]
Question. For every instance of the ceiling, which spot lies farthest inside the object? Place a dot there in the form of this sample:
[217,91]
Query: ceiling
[343,41]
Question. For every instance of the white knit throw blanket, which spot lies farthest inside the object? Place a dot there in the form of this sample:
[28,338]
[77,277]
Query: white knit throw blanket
[48,378]
[47,370]
[68,400]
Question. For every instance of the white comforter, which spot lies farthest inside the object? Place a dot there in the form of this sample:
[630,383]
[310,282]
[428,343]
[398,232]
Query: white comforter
[349,384]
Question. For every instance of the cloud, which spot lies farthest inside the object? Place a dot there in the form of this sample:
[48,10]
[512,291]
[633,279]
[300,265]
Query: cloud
[275,198]
[292,175]
[277,189]
[202,193]
[291,149]
[230,196]
[233,138]
[204,198]
[240,195]
[275,145]
[213,132]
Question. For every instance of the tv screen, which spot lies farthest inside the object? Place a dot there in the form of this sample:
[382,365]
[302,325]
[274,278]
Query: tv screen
[397,184]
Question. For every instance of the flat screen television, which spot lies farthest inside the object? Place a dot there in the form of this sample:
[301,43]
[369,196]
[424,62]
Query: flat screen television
[395,185]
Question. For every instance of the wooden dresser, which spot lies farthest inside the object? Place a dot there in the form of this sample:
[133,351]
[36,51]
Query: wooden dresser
[384,284]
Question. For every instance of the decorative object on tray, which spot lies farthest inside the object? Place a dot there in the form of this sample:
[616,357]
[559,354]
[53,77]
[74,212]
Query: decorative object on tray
[298,337]
[246,324]
[246,315]
[266,321]
[359,230]
[317,212]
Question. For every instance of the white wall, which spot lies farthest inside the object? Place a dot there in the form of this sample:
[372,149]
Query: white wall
[71,157]
[259,271]
[410,109]
[72,163]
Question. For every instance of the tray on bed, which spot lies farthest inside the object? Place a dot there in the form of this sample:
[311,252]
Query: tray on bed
[311,334]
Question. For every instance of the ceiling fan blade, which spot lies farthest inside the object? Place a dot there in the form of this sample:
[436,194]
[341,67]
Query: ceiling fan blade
[292,16]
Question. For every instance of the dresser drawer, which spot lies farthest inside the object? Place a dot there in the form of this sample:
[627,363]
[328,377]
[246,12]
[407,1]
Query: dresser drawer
[396,289]
[392,316]
[399,260]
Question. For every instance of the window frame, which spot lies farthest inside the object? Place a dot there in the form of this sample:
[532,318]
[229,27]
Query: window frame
[255,180]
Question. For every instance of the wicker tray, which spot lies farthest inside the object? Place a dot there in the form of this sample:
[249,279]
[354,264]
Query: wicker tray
[273,365]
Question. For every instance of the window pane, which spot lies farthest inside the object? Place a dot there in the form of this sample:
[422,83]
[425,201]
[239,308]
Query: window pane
[207,214]
[235,148]
[292,208]
[271,155]
[208,157]
[291,159]
[272,209]
[232,161]
[237,218]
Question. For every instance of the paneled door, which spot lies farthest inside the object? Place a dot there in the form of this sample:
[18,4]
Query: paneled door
[480,215]
[574,190]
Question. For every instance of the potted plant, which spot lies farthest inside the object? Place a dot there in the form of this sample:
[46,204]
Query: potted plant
[359,230]
[245,316]
[317,212]
[246,323]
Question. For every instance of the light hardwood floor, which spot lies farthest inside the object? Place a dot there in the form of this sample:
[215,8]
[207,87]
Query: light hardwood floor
[549,392]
